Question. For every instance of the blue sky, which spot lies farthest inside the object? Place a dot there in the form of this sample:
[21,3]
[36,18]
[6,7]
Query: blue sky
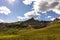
[17,9]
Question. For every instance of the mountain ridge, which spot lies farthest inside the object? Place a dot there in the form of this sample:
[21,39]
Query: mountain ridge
[30,23]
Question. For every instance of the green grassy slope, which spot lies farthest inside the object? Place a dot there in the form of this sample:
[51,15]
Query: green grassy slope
[49,33]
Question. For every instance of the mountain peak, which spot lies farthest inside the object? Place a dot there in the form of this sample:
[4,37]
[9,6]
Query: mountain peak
[32,19]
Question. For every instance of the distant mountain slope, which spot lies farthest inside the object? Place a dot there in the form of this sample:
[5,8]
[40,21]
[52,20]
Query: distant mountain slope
[57,20]
[31,23]
[36,24]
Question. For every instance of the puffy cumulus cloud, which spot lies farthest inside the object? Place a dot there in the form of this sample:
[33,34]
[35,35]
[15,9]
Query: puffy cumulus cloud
[4,10]
[52,19]
[56,11]
[27,2]
[49,16]
[44,5]
[31,14]
[11,1]
[1,20]
[28,15]
[59,17]
[21,18]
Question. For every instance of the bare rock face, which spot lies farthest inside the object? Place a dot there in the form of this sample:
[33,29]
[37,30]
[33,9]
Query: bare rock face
[35,23]
[31,21]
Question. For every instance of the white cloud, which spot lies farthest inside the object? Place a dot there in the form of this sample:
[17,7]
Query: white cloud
[31,14]
[44,5]
[21,18]
[1,20]
[49,16]
[59,17]
[56,11]
[41,6]
[11,1]
[27,2]
[28,15]
[52,19]
[4,10]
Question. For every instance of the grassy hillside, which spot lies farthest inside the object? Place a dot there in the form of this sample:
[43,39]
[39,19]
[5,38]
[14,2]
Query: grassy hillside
[51,32]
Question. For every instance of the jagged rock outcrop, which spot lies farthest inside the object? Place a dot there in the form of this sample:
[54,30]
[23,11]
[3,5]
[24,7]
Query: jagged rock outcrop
[36,23]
